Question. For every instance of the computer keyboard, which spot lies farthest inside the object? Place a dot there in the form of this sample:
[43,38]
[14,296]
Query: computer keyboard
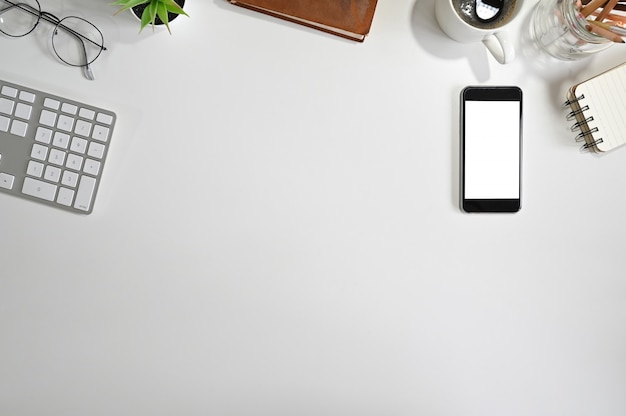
[52,149]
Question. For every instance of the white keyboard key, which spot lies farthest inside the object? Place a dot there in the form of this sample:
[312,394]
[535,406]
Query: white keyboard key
[6,181]
[69,108]
[4,123]
[9,91]
[85,193]
[48,118]
[104,118]
[83,128]
[74,162]
[69,178]
[96,150]
[23,111]
[43,135]
[87,113]
[57,157]
[100,133]
[19,128]
[65,123]
[34,169]
[65,197]
[92,167]
[78,145]
[6,106]
[39,189]
[61,140]
[27,96]
[52,173]
[51,103]
[39,152]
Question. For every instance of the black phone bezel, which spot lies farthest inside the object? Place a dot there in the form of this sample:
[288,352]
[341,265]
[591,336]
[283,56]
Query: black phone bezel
[490,93]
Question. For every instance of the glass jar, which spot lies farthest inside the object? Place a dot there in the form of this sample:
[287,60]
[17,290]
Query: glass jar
[560,30]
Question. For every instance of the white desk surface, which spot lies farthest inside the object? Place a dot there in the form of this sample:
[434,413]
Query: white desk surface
[278,232]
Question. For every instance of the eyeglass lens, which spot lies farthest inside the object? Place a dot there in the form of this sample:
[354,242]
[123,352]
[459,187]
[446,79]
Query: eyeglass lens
[19,17]
[76,41]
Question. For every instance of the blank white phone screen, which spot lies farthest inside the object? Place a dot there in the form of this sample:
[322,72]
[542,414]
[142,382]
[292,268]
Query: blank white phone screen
[492,146]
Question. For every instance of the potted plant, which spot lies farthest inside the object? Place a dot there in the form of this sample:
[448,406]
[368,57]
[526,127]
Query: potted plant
[153,12]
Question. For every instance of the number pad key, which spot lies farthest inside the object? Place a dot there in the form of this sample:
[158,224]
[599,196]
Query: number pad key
[57,157]
[43,135]
[74,162]
[52,174]
[100,133]
[39,152]
[83,128]
[35,169]
[85,193]
[69,108]
[96,150]
[65,197]
[61,140]
[65,123]
[92,167]
[39,189]
[78,145]
[69,179]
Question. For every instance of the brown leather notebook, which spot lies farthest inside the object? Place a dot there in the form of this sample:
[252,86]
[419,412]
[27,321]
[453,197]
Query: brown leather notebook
[347,18]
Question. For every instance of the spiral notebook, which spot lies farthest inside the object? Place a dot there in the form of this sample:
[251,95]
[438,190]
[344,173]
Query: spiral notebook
[599,108]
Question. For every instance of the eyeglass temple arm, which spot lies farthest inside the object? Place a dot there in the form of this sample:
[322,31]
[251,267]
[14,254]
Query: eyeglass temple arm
[80,38]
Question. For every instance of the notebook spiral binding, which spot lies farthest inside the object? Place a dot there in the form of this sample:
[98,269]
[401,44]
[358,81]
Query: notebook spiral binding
[574,100]
[582,124]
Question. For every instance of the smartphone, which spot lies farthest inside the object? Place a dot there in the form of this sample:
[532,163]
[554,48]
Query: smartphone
[491,149]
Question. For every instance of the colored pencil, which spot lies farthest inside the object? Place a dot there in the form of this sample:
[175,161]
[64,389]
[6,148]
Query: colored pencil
[605,33]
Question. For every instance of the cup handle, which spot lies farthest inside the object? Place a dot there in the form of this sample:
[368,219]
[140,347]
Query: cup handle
[500,47]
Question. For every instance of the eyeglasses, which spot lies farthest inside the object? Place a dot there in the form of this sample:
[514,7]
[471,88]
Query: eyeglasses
[75,41]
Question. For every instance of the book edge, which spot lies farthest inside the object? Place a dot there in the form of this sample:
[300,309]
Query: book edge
[359,37]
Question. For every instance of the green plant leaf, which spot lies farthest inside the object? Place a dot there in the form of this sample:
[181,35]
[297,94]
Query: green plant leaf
[173,7]
[154,8]
[128,4]
[162,13]
[149,15]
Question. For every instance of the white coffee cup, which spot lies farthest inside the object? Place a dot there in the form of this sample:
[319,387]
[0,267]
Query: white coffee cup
[494,38]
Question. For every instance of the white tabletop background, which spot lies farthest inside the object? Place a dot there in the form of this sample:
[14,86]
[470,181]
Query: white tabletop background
[278,231]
